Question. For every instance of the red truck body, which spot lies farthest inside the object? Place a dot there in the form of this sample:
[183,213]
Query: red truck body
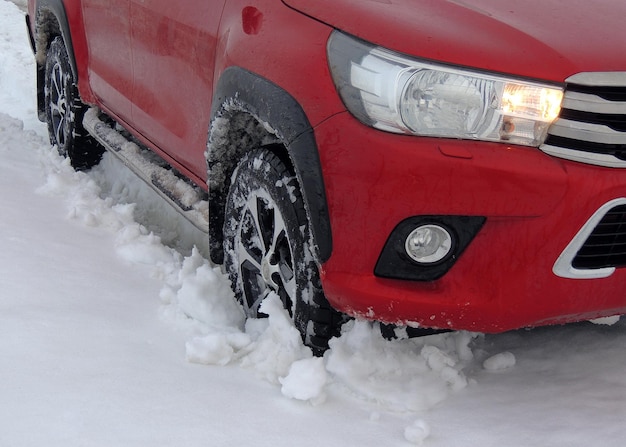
[158,68]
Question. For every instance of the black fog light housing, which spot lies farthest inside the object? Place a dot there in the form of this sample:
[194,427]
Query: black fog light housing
[424,248]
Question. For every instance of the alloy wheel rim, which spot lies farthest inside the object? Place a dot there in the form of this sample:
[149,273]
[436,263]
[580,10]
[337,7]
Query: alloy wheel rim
[58,104]
[265,257]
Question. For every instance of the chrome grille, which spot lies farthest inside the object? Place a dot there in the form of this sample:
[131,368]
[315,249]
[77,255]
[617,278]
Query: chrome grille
[591,127]
[606,245]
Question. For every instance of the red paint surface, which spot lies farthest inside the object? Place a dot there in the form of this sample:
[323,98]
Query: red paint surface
[154,63]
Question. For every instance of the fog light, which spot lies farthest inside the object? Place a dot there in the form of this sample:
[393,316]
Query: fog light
[428,244]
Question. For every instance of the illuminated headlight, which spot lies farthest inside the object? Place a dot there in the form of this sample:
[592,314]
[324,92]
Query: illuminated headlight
[395,93]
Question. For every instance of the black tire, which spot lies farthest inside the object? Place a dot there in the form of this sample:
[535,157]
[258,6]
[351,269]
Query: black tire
[65,111]
[267,248]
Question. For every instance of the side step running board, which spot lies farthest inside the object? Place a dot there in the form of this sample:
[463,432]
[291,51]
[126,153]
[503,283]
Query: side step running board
[189,200]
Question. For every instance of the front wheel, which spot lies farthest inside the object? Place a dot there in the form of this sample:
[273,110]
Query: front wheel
[267,247]
[65,111]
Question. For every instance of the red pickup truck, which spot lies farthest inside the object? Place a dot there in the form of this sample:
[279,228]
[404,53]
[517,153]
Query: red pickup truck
[430,164]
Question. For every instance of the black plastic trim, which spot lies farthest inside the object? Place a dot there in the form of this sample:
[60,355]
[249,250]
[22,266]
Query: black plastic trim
[394,263]
[57,8]
[31,38]
[267,102]
[39,74]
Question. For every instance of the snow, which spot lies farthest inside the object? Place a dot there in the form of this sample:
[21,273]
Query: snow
[417,432]
[500,362]
[306,380]
[115,330]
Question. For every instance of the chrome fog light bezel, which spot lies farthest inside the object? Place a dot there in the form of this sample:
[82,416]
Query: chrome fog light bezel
[429,244]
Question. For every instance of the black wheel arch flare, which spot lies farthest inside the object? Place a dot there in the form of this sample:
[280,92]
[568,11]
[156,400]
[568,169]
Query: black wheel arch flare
[42,24]
[268,103]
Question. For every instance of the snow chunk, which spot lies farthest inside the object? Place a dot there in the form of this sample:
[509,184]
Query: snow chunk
[607,321]
[500,362]
[200,293]
[278,344]
[443,364]
[135,244]
[217,348]
[213,349]
[417,432]
[306,380]
[205,296]
[401,375]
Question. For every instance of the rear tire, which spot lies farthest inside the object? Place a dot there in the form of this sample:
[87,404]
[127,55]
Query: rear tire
[65,111]
[267,248]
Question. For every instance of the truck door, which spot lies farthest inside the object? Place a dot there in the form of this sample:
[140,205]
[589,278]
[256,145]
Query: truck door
[107,29]
[173,52]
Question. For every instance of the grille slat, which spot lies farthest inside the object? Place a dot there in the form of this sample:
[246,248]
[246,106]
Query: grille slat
[615,121]
[606,245]
[591,127]
[608,93]
[592,103]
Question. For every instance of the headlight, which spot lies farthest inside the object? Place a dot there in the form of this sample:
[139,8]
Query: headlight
[395,93]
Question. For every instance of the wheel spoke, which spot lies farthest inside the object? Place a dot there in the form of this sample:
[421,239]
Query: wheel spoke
[280,258]
[58,105]
[248,257]
[254,212]
[288,279]
[54,109]
[278,232]
[264,255]
[267,225]
[59,131]
[250,239]
[254,288]
[56,80]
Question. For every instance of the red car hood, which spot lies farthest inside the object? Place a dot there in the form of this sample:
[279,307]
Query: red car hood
[546,39]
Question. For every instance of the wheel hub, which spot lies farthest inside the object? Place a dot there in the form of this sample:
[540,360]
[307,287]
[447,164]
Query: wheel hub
[62,105]
[267,269]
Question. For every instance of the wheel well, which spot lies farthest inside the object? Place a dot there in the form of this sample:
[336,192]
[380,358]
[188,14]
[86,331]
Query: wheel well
[249,111]
[47,28]
[234,133]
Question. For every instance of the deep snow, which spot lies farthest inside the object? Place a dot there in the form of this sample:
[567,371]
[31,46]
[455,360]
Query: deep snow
[115,330]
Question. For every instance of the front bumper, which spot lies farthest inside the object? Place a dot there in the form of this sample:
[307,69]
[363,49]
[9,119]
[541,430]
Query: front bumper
[534,206]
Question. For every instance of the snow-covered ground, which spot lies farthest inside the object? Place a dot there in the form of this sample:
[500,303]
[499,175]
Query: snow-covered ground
[115,331]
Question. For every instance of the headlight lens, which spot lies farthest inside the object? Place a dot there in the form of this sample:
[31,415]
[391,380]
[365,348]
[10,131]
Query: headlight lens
[393,92]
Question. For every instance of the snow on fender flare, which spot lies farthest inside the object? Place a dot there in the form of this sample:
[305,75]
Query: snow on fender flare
[271,104]
[57,9]
[41,31]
